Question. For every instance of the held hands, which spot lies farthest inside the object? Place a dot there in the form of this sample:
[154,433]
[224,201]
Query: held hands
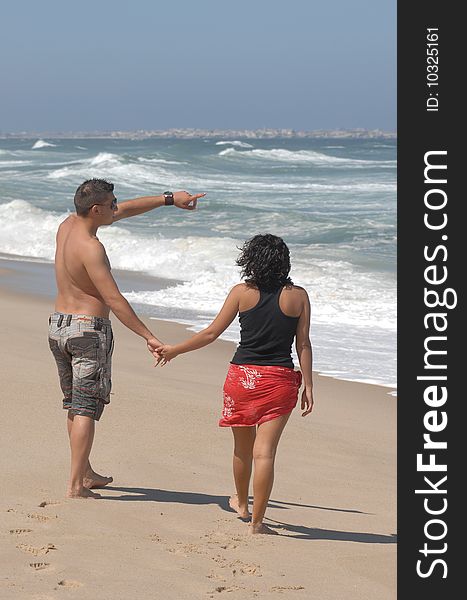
[186,200]
[153,343]
[307,401]
[164,354]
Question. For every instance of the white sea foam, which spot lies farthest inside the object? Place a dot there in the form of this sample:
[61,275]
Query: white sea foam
[27,230]
[236,143]
[206,265]
[16,163]
[42,144]
[158,172]
[161,161]
[105,158]
[111,166]
[304,156]
[341,294]
[96,164]
[318,187]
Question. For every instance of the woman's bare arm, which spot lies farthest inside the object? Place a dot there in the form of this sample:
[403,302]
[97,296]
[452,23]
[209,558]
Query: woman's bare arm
[305,354]
[225,317]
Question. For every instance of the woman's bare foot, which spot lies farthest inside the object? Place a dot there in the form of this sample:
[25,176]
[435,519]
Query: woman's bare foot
[82,493]
[261,528]
[242,511]
[94,480]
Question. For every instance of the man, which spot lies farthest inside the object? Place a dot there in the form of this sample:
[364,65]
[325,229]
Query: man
[80,333]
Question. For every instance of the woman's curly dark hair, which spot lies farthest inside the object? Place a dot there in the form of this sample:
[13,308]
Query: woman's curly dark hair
[265,262]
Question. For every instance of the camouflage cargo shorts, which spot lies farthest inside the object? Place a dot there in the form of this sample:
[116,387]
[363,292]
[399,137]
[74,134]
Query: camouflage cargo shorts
[82,347]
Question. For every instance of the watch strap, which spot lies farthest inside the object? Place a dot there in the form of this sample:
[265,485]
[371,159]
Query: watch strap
[169,198]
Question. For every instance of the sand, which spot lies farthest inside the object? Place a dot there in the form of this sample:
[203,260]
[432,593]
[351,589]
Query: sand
[163,529]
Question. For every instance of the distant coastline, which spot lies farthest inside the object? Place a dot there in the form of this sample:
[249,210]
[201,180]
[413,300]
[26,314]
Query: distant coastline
[204,133]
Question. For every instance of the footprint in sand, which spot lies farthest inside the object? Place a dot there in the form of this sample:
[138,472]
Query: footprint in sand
[48,503]
[220,560]
[215,576]
[283,588]
[69,583]
[186,549]
[226,541]
[36,551]
[229,546]
[19,531]
[39,566]
[41,518]
[239,566]
[230,588]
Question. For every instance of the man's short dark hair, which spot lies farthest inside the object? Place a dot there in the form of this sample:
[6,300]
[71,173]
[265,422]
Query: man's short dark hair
[90,192]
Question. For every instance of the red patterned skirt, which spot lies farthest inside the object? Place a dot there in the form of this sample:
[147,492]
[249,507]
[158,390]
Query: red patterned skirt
[255,394]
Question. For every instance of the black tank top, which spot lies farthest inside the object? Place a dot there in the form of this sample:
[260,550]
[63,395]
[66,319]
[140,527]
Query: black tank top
[266,333]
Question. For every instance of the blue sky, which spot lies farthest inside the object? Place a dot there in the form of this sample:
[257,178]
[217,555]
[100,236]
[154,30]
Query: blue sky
[102,65]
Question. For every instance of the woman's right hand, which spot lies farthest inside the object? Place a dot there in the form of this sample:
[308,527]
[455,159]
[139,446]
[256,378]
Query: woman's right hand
[307,401]
[164,354]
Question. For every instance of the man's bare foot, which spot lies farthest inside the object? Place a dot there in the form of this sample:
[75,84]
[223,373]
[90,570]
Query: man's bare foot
[94,480]
[242,511]
[261,528]
[82,493]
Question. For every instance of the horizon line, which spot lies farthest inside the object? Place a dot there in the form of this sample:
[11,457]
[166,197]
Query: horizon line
[205,132]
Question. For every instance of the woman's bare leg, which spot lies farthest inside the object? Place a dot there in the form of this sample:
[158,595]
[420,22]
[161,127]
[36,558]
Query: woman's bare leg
[244,438]
[264,454]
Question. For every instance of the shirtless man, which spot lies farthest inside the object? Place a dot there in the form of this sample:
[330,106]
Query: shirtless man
[80,332]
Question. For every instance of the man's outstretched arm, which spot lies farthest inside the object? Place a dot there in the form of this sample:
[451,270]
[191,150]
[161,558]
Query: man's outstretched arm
[138,206]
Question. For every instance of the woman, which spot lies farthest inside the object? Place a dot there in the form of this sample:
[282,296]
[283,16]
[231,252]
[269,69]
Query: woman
[261,387]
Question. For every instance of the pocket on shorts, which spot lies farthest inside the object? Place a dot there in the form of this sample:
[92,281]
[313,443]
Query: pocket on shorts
[105,385]
[84,351]
[111,345]
[53,345]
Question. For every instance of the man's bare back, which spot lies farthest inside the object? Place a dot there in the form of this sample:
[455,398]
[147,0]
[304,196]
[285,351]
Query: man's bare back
[77,294]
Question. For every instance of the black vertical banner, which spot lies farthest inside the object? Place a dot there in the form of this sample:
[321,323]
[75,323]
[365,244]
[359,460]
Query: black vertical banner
[431,322]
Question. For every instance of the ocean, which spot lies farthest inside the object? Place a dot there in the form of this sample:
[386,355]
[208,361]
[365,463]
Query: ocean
[332,200]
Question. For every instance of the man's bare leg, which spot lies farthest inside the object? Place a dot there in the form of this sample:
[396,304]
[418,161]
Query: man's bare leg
[244,438]
[91,479]
[264,454]
[81,438]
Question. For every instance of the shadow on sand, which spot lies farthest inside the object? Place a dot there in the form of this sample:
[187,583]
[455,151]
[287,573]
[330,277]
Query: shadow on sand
[138,494]
[314,533]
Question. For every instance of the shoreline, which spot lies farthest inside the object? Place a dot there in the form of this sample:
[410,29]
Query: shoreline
[35,277]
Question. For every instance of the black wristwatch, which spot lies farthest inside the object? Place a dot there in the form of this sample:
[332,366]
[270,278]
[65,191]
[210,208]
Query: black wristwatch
[169,198]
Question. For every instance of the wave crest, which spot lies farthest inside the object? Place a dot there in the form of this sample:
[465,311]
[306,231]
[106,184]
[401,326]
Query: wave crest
[303,156]
[236,143]
[42,144]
